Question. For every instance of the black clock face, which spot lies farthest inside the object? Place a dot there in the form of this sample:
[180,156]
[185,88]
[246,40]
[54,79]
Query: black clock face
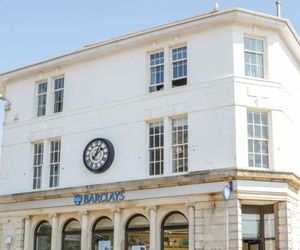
[98,155]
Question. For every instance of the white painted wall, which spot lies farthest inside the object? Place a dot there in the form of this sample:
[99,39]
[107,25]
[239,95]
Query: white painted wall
[108,97]
[278,94]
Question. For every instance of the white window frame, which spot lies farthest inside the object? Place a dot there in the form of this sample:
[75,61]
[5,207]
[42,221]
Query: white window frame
[38,163]
[37,94]
[50,96]
[261,140]
[264,56]
[54,91]
[156,86]
[172,62]
[54,165]
[154,148]
[174,146]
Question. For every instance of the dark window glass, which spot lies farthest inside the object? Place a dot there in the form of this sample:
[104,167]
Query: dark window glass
[157,69]
[42,237]
[179,74]
[258,227]
[71,235]
[58,94]
[37,165]
[103,230]
[156,148]
[137,232]
[41,99]
[175,232]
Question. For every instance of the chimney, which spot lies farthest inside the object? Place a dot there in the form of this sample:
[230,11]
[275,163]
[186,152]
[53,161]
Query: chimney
[278,5]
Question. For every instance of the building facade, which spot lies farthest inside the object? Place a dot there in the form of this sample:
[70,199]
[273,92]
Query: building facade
[177,137]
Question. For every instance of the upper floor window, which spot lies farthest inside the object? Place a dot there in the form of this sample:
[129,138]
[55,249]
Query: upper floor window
[38,153]
[157,71]
[180,145]
[179,66]
[58,94]
[55,149]
[258,139]
[41,98]
[254,57]
[156,148]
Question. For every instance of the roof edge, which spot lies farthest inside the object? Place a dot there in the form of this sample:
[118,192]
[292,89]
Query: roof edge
[29,67]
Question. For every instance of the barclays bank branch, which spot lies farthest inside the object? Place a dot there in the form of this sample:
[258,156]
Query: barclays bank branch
[173,138]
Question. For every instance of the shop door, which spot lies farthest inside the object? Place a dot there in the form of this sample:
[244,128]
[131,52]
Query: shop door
[253,245]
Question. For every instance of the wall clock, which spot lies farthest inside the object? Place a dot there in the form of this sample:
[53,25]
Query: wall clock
[98,155]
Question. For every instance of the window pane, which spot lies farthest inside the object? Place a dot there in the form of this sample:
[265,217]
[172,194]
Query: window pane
[251,221]
[258,159]
[269,225]
[251,160]
[265,161]
[257,131]
[104,224]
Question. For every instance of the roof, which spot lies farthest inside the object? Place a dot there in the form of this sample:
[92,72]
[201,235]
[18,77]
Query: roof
[148,35]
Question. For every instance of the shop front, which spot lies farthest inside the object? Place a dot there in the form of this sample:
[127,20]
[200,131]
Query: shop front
[196,211]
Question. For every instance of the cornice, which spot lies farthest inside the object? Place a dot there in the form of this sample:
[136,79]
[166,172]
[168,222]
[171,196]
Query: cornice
[209,176]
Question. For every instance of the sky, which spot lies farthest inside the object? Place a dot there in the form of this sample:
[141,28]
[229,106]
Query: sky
[35,30]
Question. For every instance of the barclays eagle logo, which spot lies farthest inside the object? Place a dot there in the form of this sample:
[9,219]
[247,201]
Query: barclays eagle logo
[77,199]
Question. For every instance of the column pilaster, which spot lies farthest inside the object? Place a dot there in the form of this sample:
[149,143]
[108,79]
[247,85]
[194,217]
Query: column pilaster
[153,228]
[191,214]
[84,230]
[27,235]
[54,231]
[117,229]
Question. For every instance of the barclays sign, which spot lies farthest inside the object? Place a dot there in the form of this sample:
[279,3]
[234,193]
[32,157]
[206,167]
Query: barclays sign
[98,198]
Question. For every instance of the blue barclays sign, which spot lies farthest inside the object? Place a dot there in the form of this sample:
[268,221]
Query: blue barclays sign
[98,198]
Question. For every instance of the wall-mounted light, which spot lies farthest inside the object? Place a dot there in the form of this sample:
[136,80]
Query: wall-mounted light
[7,106]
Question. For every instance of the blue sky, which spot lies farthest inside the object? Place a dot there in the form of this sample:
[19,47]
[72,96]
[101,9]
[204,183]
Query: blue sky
[34,30]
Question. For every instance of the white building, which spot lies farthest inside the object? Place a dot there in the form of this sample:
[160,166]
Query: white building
[187,114]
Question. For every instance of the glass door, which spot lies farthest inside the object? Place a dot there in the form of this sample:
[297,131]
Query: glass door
[252,245]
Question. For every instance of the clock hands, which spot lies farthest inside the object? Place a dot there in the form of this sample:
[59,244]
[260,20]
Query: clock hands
[97,153]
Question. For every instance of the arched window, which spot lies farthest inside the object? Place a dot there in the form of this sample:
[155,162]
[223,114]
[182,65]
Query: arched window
[175,232]
[71,235]
[42,236]
[103,230]
[137,232]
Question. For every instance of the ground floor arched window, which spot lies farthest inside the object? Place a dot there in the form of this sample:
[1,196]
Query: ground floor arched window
[175,232]
[103,233]
[137,232]
[71,239]
[42,236]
